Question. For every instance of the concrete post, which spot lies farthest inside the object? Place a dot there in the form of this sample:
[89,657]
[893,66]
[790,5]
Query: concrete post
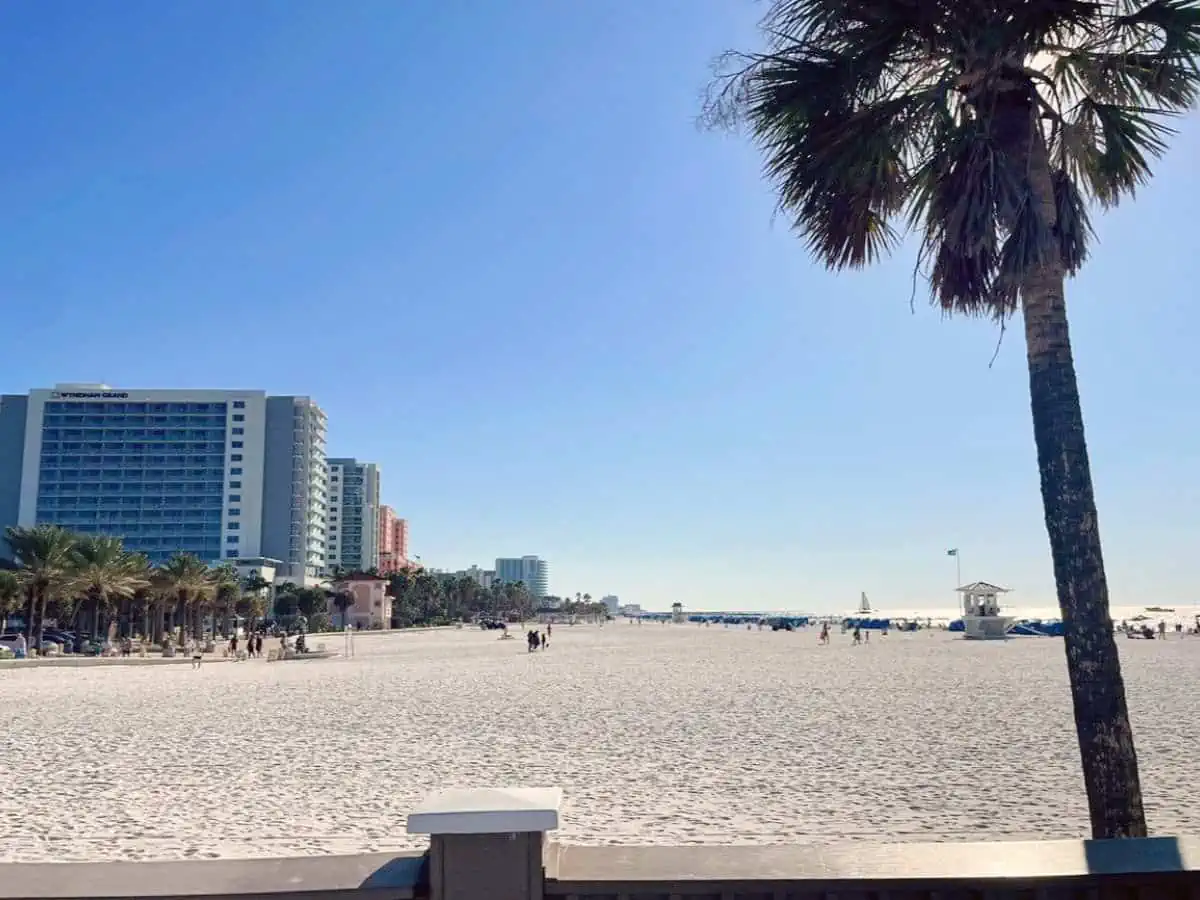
[487,844]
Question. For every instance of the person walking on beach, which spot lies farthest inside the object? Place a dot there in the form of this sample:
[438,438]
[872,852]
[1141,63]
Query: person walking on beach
[196,657]
[824,639]
[532,640]
[233,646]
[857,635]
[546,638]
[258,645]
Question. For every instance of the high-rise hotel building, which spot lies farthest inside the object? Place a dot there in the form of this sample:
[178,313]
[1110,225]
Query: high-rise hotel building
[532,570]
[352,535]
[220,474]
[393,541]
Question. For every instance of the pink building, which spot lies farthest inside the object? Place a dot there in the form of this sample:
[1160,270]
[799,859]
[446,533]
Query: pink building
[372,606]
[393,541]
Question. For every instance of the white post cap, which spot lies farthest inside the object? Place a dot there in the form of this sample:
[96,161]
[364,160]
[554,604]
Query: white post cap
[487,811]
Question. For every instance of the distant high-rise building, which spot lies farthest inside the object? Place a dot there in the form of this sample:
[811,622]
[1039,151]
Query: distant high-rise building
[532,570]
[612,603]
[295,500]
[217,473]
[352,536]
[482,577]
[393,541]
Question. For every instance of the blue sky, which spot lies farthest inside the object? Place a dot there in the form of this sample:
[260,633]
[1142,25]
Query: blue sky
[490,240]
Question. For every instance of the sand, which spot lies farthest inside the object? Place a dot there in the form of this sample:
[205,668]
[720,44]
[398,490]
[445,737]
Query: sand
[658,734]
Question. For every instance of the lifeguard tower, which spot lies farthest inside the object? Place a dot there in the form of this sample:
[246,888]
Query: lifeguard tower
[677,615]
[981,612]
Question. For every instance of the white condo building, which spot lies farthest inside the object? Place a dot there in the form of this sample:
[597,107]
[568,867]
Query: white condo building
[532,570]
[482,577]
[352,526]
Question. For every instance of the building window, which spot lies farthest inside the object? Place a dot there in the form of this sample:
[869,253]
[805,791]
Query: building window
[236,470]
[239,430]
[231,554]
[232,539]
[235,457]
[235,512]
[236,445]
[239,404]
[238,417]
[235,498]
[235,526]
[235,484]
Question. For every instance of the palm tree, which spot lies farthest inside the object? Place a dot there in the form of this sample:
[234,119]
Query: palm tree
[253,606]
[46,555]
[986,128]
[187,581]
[342,601]
[10,593]
[226,592]
[106,571]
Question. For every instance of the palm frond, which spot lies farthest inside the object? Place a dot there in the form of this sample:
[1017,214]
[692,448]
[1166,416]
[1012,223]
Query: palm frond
[1073,226]
[954,201]
[1107,147]
[1172,26]
[836,138]
[1129,79]
[986,125]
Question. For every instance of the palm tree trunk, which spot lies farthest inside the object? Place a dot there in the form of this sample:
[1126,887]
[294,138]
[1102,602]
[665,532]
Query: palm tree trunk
[1106,748]
[181,619]
[41,628]
[1107,754]
[31,614]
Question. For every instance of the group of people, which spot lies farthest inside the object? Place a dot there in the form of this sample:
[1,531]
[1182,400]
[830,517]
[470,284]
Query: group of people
[253,648]
[859,634]
[537,640]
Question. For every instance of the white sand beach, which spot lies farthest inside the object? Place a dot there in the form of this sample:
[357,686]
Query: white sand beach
[659,734]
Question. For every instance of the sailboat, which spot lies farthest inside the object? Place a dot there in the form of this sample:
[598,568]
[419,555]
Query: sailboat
[864,605]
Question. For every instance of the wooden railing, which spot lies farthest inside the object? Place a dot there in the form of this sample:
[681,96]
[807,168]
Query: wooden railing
[1155,868]
[490,845]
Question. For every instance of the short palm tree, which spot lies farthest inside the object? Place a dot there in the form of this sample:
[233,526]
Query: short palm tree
[986,127]
[187,582]
[225,595]
[253,601]
[254,607]
[107,572]
[47,560]
[342,601]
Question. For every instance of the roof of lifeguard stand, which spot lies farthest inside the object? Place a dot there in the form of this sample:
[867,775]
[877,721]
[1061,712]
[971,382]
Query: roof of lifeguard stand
[981,587]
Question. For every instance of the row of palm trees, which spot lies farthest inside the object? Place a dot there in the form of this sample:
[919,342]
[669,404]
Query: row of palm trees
[420,597]
[87,579]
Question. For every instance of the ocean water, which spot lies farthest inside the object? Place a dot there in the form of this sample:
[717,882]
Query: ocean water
[941,614]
